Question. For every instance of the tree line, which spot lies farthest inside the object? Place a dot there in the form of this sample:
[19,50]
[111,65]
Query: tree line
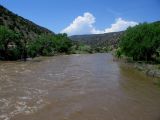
[13,46]
[141,43]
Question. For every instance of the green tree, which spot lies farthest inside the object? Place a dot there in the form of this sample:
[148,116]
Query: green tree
[10,44]
[42,45]
[48,45]
[141,42]
[63,43]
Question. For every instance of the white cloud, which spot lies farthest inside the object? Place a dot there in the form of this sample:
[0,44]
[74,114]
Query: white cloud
[120,25]
[81,25]
[85,25]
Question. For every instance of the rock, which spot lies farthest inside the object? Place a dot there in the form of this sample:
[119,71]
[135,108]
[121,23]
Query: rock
[139,67]
[150,73]
[157,74]
[153,73]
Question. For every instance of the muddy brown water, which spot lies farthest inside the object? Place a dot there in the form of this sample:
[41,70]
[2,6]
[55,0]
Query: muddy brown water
[76,87]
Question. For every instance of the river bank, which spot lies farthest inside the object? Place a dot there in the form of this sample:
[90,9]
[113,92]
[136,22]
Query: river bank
[151,70]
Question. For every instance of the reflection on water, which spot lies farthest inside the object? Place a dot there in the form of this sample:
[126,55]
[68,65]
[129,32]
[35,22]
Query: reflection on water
[76,87]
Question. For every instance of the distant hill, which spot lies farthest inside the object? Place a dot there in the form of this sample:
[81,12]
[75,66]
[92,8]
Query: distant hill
[28,29]
[101,40]
[98,40]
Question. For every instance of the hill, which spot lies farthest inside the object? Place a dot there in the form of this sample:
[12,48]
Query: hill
[22,39]
[28,29]
[98,40]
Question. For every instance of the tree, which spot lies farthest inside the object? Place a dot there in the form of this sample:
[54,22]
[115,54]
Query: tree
[141,42]
[10,44]
[63,43]
[42,45]
[48,45]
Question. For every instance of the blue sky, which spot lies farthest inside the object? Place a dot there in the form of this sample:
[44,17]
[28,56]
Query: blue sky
[86,16]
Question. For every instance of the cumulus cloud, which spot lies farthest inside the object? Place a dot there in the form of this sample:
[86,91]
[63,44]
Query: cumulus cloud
[120,25]
[85,25]
[81,25]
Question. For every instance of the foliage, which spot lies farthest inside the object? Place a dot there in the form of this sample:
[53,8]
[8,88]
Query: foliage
[85,48]
[141,42]
[13,46]
[79,48]
[48,45]
[10,44]
[63,43]
[101,49]
[118,53]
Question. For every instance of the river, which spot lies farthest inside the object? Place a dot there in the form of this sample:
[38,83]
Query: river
[76,87]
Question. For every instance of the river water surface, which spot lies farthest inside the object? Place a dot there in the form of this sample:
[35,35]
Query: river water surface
[76,87]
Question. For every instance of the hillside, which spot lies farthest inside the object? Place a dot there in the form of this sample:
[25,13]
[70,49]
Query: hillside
[21,39]
[28,29]
[98,40]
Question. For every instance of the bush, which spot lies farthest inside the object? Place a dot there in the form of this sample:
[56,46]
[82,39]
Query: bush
[80,48]
[118,53]
[85,48]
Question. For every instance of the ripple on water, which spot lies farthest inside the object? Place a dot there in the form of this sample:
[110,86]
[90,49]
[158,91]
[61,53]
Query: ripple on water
[76,87]
[32,102]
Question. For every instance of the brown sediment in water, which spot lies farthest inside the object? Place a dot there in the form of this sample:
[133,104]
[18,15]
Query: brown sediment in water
[76,87]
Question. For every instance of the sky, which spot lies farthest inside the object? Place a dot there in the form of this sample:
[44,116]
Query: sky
[86,16]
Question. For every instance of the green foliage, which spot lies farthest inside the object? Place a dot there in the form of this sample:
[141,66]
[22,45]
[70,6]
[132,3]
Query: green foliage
[48,45]
[103,49]
[13,46]
[43,45]
[85,48]
[118,53]
[10,44]
[141,42]
[79,48]
[63,43]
